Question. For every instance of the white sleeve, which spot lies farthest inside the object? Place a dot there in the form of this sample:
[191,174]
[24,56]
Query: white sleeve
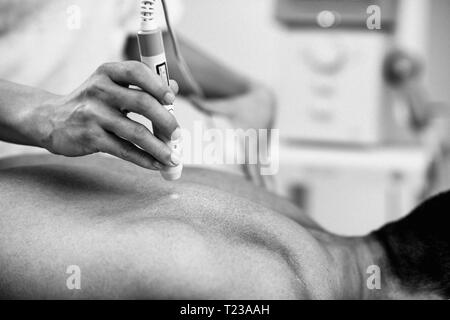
[130,13]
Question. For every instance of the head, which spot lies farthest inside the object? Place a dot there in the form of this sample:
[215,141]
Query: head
[417,248]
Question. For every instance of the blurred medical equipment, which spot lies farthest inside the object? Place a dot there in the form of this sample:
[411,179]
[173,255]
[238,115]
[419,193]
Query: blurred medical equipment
[338,58]
[341,95]
[346,158]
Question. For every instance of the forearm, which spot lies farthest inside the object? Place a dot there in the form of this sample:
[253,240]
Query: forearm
[17,103]
[216,80]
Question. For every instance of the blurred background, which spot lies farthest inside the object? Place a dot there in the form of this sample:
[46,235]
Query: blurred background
[362,142]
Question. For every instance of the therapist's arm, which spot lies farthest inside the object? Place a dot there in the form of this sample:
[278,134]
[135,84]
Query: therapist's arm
[216,79]
[93,117]
[246,102]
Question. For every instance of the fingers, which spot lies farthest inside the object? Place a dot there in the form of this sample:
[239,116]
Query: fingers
[174,87]
[138,74]
[142,103]
[140,136]
[125,150]
[109,98]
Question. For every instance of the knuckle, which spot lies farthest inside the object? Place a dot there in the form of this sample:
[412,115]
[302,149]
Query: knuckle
[84,113]
[125,153]
[85,138]
[91,88]
[172,123]
[142,161]
[139,131]
[90,91]
[135,65]
[169,125]
[143,103]
[103,68]
[96,87]
[163,152]
[155,164]
[132,68]
[89,137]
[96,136]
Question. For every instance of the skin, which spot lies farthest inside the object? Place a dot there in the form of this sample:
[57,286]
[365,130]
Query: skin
[137,236]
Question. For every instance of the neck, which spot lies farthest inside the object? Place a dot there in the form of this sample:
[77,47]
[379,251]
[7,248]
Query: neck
[356,262]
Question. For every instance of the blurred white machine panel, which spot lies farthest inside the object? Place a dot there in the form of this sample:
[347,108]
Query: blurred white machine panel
[334,89]
[333,71]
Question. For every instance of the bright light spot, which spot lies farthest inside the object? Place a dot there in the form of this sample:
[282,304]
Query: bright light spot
[174,196]
[326,19]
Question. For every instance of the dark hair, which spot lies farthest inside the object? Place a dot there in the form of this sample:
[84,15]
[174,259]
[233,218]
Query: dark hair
[418,247]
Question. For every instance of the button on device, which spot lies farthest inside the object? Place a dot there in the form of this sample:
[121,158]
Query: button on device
[325,56]
[326,19]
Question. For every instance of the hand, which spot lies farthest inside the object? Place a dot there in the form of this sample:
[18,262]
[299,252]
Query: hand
[93,118]
[255,109]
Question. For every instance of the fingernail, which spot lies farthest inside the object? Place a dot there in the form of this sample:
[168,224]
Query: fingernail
[176,135]
[169,98]
[175,159]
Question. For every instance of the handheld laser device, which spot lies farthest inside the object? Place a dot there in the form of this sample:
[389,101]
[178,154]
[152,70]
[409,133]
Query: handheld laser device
[151,47]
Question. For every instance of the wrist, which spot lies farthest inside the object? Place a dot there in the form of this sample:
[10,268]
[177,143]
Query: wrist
[35,121]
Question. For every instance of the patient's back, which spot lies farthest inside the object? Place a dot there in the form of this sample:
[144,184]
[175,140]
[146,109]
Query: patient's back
[134,235]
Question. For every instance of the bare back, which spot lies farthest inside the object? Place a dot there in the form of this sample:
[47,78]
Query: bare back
[134,235]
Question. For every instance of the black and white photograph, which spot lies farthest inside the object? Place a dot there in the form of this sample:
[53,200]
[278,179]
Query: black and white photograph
[222,151]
